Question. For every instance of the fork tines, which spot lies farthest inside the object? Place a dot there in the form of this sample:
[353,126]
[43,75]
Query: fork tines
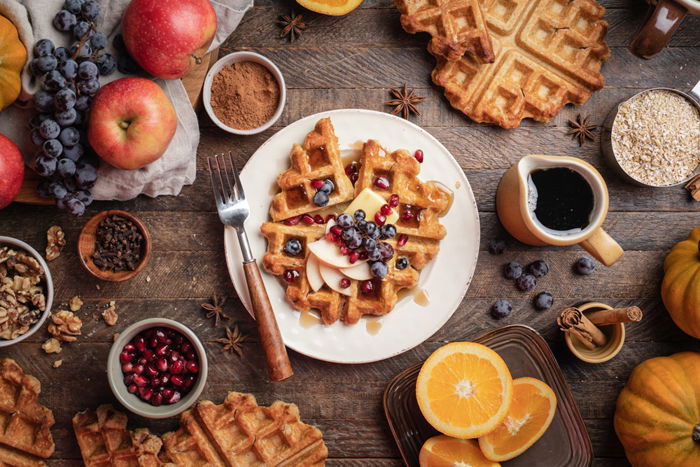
[225,192]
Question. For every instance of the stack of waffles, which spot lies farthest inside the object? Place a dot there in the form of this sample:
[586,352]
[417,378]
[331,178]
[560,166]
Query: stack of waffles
[504,60]
[420,235]
[25,425]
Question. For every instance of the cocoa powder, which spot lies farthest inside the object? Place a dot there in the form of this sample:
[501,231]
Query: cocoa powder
[244,95]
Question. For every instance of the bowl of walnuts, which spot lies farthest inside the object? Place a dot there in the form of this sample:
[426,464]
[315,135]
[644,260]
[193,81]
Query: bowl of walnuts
[26,291]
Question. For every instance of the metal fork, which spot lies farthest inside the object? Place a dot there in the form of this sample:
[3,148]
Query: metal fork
[233,210]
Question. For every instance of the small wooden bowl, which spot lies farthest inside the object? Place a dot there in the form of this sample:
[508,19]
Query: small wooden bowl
[86,247]
[615,334]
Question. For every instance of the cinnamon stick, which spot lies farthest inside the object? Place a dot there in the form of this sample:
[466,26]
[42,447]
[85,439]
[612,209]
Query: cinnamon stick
[573,321]
[616,315]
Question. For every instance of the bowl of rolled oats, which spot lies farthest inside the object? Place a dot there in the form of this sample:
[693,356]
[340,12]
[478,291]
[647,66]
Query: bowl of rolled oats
[26,291]
[653,138]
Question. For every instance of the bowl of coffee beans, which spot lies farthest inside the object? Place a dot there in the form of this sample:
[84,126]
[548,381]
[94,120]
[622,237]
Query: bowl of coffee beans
[114,245]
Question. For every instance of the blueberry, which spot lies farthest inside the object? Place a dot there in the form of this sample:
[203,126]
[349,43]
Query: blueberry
[69,136]
[361,226]
[53,81]
[36,137]
[75,207]
[64,20]
[369,244]
[49,129]
[497,246]
[98,41]
[320,199]
[401,263]
[84,196]
[66,167]
[80,29]
[52,148]
[512,270]
[57,191]
[69,183]
[543,301]
[90,10]
[385,250]
[73,6]
[87,71]
[79,50]
[538,268]
[43,101]
[42,65]
[360,215]
[501,309]
[74,152]
[584,266]
[327,187]
[64,100]
[344,221]
[69,69]
[379,269]
[83,103]
[106,63]
[374,255]
[66,118]
[61,54]
[370,228]
[43,48]
[293,247]
[355,242]
[349,233]
[45,166]
[85,175]
[526,282]
[387,231]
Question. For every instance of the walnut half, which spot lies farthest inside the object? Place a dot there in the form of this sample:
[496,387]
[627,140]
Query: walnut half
[55,241]
[65,326]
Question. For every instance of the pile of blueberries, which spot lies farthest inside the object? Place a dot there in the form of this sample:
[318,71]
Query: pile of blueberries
[69,78]
[323,188]
[360,239]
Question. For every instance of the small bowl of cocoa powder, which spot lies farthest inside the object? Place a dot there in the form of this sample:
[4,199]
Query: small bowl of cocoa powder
[244,93]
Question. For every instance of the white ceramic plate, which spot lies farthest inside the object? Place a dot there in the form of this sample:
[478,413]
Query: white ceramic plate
[445,279]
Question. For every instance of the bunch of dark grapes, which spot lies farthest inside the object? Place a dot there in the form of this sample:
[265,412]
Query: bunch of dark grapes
[69,79]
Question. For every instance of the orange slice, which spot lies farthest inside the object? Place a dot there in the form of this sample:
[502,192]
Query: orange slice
[330,7]
[529,416]
[444,451]
[464,389]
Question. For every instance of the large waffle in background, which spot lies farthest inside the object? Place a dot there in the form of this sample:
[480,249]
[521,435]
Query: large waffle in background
[239,432]
[104,440]
[456,26]
[548,53]
[317,159]
[25,424]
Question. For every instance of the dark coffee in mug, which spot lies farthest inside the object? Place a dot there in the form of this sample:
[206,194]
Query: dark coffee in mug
[564,199]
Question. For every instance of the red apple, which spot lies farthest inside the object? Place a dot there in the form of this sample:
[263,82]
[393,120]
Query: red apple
[168,37]
[11,171]
[131,123]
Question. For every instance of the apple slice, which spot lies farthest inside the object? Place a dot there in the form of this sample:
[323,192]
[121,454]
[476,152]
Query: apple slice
[329,254]
[370,201]
[332,278]
[313,274]
[359,272]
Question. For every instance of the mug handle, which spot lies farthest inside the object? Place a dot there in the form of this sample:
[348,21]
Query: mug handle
[603,247]
[658,29]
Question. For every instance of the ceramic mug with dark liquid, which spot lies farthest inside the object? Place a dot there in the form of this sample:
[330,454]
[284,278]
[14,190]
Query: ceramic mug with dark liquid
[557,200]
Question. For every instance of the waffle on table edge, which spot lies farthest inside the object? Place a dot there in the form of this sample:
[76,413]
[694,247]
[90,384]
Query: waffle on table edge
[548,53]
[239,432]
[25,437]
[456,26]
[426,199]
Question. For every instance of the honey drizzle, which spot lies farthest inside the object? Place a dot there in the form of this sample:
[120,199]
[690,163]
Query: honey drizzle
[308,319]
[373,325]
[420,296]
[447,192]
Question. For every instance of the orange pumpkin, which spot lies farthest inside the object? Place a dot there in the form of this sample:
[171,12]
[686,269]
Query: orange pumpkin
[658,412]
[680,289]
[13,56]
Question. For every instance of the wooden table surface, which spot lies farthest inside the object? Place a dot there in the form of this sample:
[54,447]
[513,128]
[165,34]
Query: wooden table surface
[352,61]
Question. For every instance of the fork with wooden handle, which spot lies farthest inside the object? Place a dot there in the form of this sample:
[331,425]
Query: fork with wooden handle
[233,211]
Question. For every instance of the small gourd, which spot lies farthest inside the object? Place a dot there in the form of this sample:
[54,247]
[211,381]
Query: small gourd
[13,56]
[680,289]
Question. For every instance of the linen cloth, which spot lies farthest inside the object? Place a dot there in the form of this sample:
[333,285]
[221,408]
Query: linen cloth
[177,167]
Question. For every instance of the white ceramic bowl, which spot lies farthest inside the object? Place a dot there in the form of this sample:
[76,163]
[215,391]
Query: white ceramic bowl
[131,401]
[236,57]
[48,292]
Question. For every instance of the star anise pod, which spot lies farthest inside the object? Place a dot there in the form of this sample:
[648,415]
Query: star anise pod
[581,129]
[404,101]
[216,309]
[232,341]
[292,26]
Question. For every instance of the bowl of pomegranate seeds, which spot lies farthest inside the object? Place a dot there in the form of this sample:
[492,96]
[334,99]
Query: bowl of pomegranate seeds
[157,368]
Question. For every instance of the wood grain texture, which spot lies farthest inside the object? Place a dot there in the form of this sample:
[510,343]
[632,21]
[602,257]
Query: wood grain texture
[352,61]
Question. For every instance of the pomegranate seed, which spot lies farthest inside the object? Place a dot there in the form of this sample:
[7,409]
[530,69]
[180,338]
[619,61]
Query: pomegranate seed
[316,184]
[155,382]
[177,380]
[339,241]
[381,182]
[319,219]
[403,238]
[125,357]
[142,361]
[407,215]
[419,155]
[153,342]
[190,356]
[160,335]
[379,218]
[189,381]
[330,217]
[385,209]
[157,399]
[354,178]
[132,388]
[177,367]
[174,356]
[344,283]
[130,348]
[140,381]
[186,347]
[367,287]
[167,393]
[140,344]
[290,275]
[330,237]
[349,170]
[128,368]
[138,369]
[165,379]
[337,231]
[162,364]
[192,367]
[292,220]
[364,255]
[306,219]
[174,398]
[151,370]
[162,350]
[344,250]
[146,393]
[354,256]
[394,200]
[129,379]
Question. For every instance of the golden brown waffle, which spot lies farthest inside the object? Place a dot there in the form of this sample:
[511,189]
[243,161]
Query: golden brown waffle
[548,54]
[25,424]
[104,440]
[317,159]
[456,26]
[241,433]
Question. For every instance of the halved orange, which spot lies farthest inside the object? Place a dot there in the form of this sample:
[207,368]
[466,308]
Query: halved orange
[529,416]
[330,7]
[444,451]
[464,389]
